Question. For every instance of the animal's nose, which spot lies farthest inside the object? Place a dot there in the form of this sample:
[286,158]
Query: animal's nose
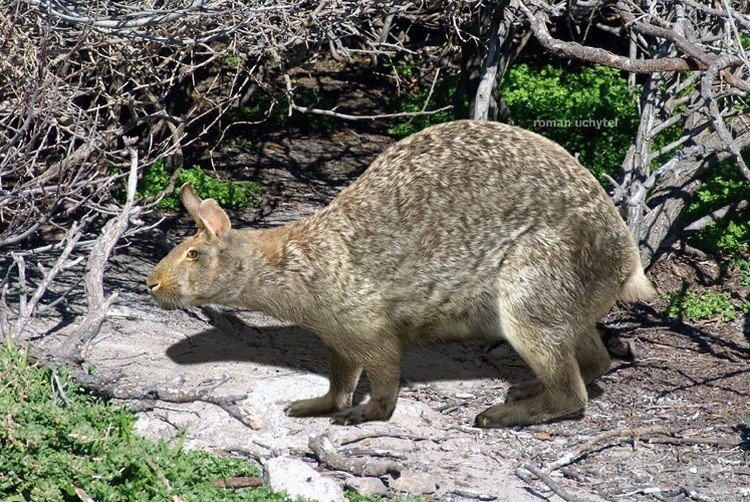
[153,286]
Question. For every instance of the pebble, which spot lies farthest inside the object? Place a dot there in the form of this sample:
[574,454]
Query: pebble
[367,486]
[473,494]
[415,483]
[299,480]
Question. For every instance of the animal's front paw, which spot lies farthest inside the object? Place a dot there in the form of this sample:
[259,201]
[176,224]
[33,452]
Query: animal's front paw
[351,416]
[314,407]
[363,413]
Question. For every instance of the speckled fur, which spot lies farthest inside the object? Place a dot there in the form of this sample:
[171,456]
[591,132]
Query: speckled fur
[464,230]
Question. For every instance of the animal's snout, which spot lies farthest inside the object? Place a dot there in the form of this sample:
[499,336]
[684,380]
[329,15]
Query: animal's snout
[153,285]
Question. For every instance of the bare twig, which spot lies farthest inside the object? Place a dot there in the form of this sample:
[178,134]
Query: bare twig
[355,438]
[98,305]
[378,116]
[649,434]
[325,450]
[544,478]
[238,482]
[59,387]
[575,50]
[28,307]
[585,448]
[716,215]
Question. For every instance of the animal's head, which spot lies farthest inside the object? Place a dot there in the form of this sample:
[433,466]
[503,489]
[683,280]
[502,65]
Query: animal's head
[200,269]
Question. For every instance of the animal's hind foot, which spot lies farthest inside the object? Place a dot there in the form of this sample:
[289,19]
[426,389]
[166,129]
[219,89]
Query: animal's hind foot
[535,410]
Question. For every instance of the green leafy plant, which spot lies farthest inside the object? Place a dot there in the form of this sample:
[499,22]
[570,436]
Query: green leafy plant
[441,97]
[241,143]
[271,109]
[591,112]
[563,106]
[743,266]
[58,442]
[729,236]
[233,61]
[228,194]
[701,305]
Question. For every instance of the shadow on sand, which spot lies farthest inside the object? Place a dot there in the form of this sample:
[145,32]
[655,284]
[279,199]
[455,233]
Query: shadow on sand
[293,347]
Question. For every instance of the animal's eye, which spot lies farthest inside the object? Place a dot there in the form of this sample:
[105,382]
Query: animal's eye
[192,254]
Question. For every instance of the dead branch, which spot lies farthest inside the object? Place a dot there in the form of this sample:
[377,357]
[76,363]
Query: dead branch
[379,116]
[604,57]
[98,305]
[585,448]
[28,307]
[716,215]
[697,440]
[238,482]
[488,77]
[325,449]
[355,438]
[650,434]
[720,126]
[293,106]
[205,393]
[373,452]
[547,480]
[698,58]
[112,386]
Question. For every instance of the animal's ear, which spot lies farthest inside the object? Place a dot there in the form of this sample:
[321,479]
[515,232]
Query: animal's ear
[206,213]
[191,201]
[213,217]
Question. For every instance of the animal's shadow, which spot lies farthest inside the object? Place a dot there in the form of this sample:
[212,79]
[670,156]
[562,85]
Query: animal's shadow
[295,348]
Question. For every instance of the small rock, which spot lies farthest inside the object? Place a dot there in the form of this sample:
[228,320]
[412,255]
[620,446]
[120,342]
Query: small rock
[415,483]
[473,494]
[298,479]
[367,486]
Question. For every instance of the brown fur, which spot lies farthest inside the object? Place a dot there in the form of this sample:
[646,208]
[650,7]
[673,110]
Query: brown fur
[464,230]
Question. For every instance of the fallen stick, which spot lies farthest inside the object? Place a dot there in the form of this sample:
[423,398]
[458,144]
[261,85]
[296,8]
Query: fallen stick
[238,482]
[544,478]
[354,438]
[651,434]
[325,450]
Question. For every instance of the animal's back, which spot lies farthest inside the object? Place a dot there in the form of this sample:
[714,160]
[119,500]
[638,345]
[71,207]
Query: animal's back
[433,221]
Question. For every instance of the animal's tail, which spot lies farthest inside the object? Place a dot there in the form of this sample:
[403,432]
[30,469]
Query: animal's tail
[637,287]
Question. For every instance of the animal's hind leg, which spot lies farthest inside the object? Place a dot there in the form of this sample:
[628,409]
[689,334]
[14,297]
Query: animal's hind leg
[560,392]
[593,362]
[592,355]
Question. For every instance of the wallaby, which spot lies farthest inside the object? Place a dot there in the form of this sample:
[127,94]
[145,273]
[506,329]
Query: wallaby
[463,230]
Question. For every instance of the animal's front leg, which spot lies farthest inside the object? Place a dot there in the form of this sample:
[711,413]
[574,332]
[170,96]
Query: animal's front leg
[344,377]
[384,373]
